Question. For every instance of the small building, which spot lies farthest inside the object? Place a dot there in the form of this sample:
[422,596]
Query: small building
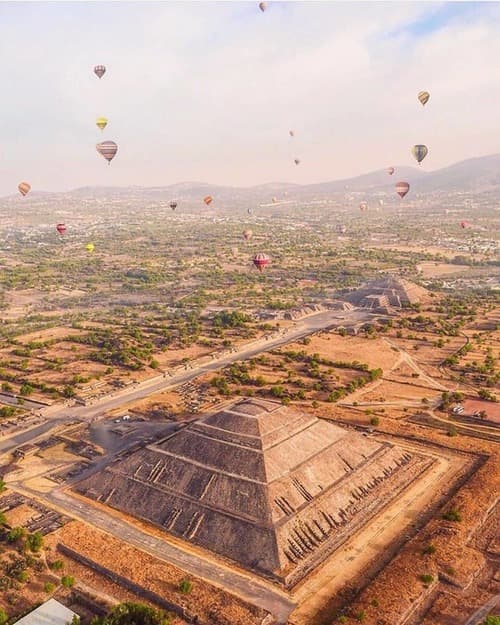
[26,450]
[49,613]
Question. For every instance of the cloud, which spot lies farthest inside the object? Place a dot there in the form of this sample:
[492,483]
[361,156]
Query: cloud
[208,91]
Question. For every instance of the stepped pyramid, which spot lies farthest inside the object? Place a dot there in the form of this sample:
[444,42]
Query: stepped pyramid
[269,487]
[386,293]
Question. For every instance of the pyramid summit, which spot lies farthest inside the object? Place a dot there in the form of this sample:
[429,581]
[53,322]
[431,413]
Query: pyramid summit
[268,487]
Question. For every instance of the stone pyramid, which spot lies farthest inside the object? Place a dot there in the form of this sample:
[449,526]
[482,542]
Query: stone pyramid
[259,483]
[391,291]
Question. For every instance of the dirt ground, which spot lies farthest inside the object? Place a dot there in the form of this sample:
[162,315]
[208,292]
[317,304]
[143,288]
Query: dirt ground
[436,270]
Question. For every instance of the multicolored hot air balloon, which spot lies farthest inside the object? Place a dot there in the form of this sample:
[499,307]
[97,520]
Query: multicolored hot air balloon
[424,96]
[24,188]
[99,70]
[101,122]
[296,161]
[108,149]
[363,206]
[208,199]
[419,152]
[402,189]
[263,6]
[390,170]
[173,205]
[61,228]
[247,234]
[89,247]
[260,261]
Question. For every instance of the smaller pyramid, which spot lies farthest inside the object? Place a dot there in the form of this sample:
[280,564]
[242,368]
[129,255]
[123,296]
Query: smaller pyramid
[389,292]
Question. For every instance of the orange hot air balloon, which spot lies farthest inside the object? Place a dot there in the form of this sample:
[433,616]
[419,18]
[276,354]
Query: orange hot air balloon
[247,234]
[61,228]
[208,199]
[402,189]
[260,261]
[424,96]
[24,188]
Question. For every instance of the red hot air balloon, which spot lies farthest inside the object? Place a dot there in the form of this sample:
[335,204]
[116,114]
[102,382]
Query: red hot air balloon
[464,224]
[260,261]
[61,228]
[208,199]
[99,71]
[402,189]
[390,170]
[363,206]
[173,205]
[108,149]
[247,234]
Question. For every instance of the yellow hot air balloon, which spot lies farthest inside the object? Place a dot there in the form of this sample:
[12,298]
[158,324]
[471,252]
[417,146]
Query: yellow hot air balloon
[24,188]
[424,96]
[101,122]
[89,247]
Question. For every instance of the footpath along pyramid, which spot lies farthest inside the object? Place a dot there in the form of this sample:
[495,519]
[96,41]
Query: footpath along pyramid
[271,488]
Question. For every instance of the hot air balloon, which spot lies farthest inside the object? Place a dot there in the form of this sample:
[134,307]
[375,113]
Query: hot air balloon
[390,170]
[263,6]
[296,161]
[260,261]
[464,224]
[291,133]
[363,206]
[61,228]
[99,70]
[249,211]
[207,199]
[402,189]
[101,122]
[424,96]
[341,229]
[274,200]
[381,202]
[419,152]
[108,149]
[247,234]
[89,247]
[173,205]
[24,188]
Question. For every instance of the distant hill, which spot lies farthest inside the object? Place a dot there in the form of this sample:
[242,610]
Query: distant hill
[481,174]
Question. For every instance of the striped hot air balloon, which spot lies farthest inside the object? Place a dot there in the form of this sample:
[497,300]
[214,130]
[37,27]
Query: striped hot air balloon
[402,188]
[61,228]
[24,188]
[99,70]
[424,96]
[101,122]
[108,149]
[247,234]
[390,170]
[208,199]
[260,261]
[419,152]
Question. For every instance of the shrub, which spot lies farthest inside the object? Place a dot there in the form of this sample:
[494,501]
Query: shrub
[3,617]
[360,616]
[427,578]
[185,586]
[429,550]
[375,421]
[49,587]
[57,565]
[452,515]
[67,581]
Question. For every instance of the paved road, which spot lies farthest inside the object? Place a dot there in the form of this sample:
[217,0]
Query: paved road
[248,588]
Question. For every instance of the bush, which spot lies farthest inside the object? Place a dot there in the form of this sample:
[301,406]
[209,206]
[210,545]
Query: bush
[360,616]
[57,565]
[67,581]
[492,620]
[34,541]
[429,550]
[49,587]
[427,578]
[375,421]
[3,617]
[185,586]
[452,515]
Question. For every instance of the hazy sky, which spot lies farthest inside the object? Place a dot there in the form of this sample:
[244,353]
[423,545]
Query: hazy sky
[209,90]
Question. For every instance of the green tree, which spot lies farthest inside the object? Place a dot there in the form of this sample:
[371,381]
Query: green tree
[185,586]
[15,534]
[492,619]
[133,614]
[49,587]
[67,581]
[34,541]
[26,389]
[2,485]
[3,617]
